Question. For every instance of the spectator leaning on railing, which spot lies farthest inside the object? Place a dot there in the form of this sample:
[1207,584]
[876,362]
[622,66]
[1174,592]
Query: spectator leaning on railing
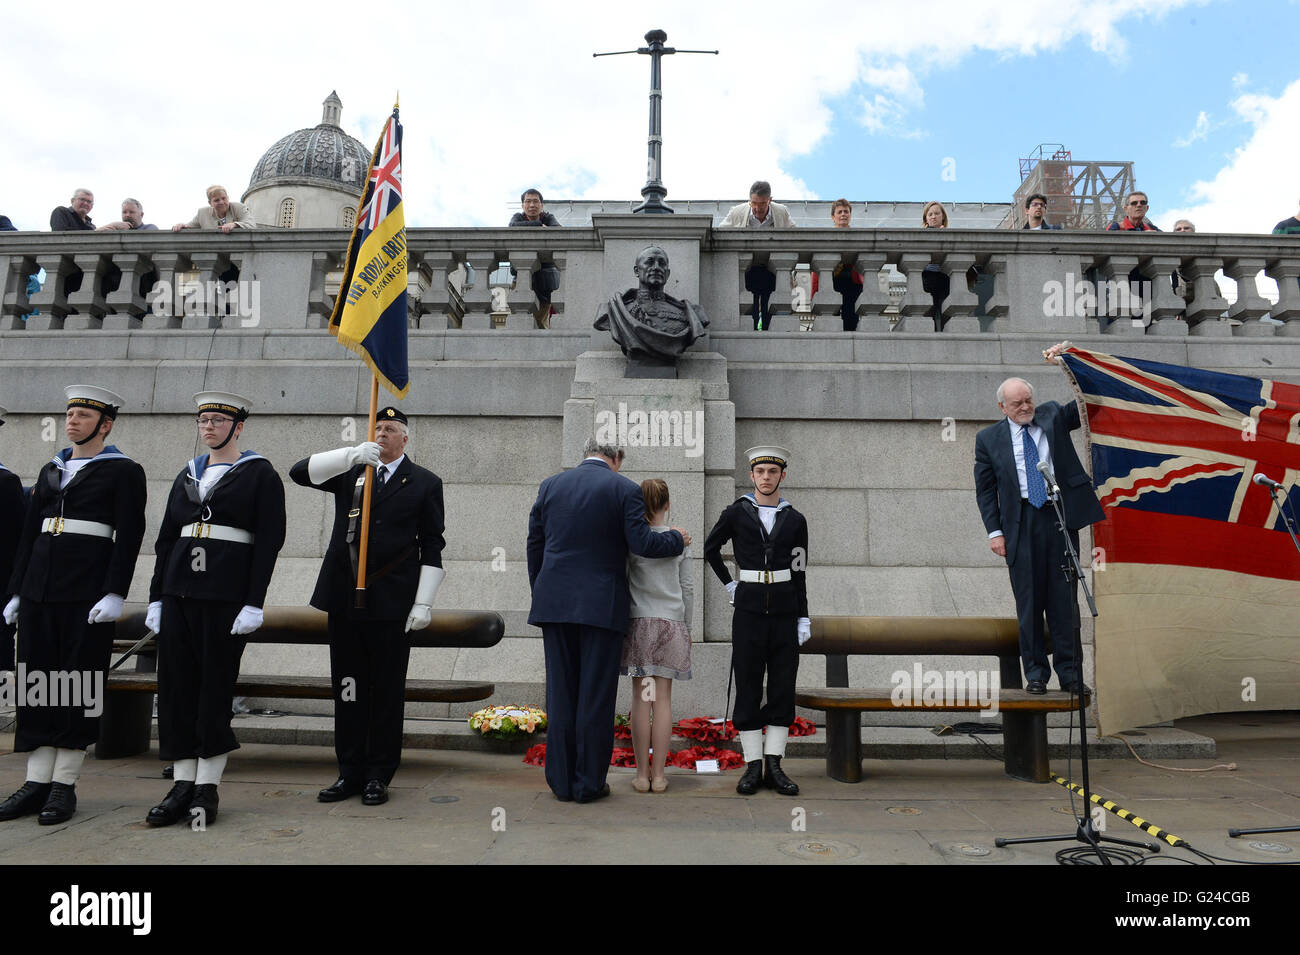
[845,279]
[1289,226]
[132,218]
[546,278]
[74,217]
[759,213]
[220,213]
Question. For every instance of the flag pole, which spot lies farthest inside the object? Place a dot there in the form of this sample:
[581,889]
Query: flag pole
[360,600]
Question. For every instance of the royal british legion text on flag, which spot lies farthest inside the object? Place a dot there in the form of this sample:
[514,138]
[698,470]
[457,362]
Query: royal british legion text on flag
[369,314]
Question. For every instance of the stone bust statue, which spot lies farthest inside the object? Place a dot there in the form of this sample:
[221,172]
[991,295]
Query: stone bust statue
[650,326]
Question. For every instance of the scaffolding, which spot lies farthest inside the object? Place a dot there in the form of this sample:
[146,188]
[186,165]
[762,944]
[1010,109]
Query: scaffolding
[1080,195]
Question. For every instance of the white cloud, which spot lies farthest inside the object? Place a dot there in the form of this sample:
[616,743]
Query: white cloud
[496,96]
[1199,131]
[1259,186]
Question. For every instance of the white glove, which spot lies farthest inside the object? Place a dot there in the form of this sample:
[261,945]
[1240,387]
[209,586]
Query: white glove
[107,610]
[367,452]
[11,610]
[422,612]
[327,464]
[731,591]
[805,630]
[153,617]
[419,617]
[249,619]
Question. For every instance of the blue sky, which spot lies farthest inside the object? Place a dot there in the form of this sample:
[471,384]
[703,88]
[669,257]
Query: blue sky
[865,99]
[985,111]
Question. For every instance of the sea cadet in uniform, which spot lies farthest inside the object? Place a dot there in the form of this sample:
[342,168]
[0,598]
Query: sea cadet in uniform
[73,566]
[770,622]
[12,506]
[220,535]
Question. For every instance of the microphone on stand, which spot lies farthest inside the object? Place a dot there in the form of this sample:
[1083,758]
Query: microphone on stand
[1263,481]
[1050,478]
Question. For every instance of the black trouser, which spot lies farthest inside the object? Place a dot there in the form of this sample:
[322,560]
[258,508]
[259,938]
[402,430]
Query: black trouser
[849,291]
[1042,590]
[368,661]
[581,690]
[55,640]
[760,281]
[759,643]
[6,646]
[198,664]
[936,282]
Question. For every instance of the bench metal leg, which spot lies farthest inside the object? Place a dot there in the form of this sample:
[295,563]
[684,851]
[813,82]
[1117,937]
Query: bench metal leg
[844,745]
[1024,746]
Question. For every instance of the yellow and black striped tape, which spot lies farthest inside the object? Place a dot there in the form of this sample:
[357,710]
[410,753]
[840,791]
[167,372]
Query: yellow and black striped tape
[1149,828]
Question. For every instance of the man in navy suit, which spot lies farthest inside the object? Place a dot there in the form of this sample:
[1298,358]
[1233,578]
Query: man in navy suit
[579,533]
[1021,523]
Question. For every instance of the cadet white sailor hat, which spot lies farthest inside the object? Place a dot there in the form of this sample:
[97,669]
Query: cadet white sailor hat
[92,396]
[768,454]
[224,402]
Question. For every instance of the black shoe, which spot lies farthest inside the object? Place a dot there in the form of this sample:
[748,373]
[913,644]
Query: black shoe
[775,777]
[599,794]
[376,793]
[174,807]
[169,771]
[1036,687]
[60,805]
[27,800]
[203,806]
[342,789]
[752,779]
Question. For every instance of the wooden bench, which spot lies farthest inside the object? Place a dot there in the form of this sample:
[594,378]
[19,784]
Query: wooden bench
[128,707]
[1023,715]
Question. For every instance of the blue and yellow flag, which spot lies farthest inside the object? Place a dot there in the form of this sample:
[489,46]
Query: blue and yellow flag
[369,314]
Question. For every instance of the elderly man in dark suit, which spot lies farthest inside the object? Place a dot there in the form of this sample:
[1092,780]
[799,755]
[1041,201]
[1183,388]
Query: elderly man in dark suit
[369,647]
[579,533]
[1021,524]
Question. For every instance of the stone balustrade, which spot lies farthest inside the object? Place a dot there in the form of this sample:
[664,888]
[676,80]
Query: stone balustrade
[1028,282]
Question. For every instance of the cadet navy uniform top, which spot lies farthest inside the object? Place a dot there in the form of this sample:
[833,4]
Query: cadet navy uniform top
[62,567]
[756,549]
[249,497]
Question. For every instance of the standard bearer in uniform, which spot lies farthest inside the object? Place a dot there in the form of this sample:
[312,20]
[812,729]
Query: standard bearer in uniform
[369,646]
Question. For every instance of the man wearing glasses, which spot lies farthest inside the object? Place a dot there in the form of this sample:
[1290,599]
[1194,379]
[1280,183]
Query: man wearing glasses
[1012,495]
[1135,218]
[1035,211]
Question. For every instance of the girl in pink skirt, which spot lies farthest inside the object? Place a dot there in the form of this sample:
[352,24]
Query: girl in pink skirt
[657,649]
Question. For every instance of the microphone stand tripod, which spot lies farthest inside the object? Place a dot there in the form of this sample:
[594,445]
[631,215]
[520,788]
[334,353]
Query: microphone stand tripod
[1085,830]
[1290,526]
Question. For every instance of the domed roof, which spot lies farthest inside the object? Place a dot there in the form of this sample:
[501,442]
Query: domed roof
[324,153]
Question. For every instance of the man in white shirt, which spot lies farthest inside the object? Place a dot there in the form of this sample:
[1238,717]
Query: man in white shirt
[1021,523]
[759,213]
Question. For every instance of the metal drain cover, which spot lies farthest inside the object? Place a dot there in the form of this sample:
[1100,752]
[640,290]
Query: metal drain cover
[821,851]
[903,811]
